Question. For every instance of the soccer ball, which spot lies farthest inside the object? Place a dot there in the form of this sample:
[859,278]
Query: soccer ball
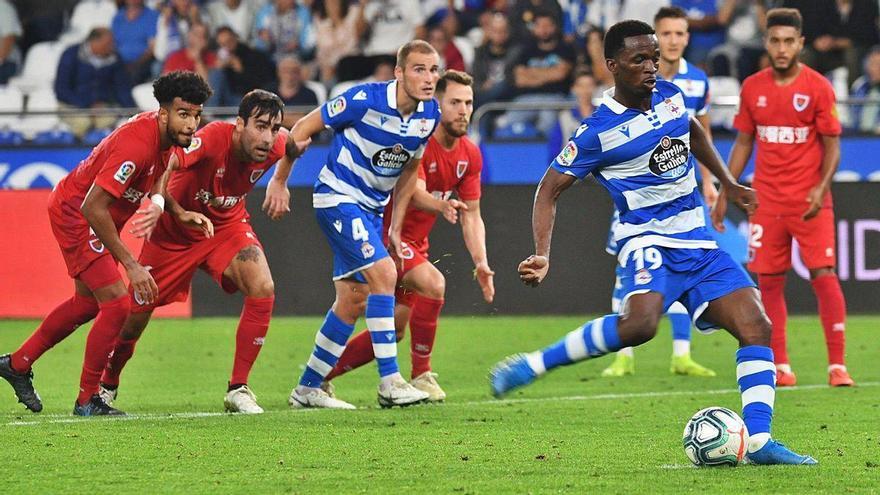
[715,436]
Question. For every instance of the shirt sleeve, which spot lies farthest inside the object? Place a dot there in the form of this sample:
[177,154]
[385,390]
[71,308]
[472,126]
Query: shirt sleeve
[469,187]
[123,165]
[743,121]
[579,157]
[345,109]
[827,123]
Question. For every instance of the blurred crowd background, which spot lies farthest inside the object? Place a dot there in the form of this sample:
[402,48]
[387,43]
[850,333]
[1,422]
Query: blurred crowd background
[63,55]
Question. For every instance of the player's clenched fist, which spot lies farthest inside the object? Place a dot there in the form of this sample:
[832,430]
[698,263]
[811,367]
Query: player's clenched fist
[277,203]
[533,269]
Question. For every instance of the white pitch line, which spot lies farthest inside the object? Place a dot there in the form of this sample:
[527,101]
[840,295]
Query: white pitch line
[63,418]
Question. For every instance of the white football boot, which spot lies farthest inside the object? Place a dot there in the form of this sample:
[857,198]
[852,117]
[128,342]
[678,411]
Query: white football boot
[242,400]
[427,382]
[307,397]
[329,388]
[397,392]
[108,394]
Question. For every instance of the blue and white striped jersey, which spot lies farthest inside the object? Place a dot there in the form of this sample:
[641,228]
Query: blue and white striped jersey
[695,85]
[642,159]
[371,145]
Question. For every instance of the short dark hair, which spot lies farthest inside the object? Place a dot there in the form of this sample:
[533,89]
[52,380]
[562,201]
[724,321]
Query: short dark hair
[225,29]
[618,33]
[187,85]
[259,102]
[542,12]
[669,13]
[454,76]
[785,17]
[97,33]
[414,46]
[583,72]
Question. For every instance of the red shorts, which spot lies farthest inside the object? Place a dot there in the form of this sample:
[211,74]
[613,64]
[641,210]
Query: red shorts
[414,254]
[173,265]
[80,247]
[771,235]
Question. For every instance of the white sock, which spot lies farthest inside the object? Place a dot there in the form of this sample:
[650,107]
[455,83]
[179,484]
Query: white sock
[832,367]
[784,367]
[681,347]
[757,441]
[626,351]
[386,381]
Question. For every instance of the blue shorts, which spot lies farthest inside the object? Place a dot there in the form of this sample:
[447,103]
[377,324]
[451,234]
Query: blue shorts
[694,277]
[355,237]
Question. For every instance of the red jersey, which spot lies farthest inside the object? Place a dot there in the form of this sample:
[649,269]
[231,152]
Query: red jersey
[787,122]
[213,182]
[125,164]
[443,171]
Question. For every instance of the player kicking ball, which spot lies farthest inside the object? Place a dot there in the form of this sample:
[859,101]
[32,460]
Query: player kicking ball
[451,164]
[87,210]
[208,229]
[637,145]
[380,131]
[790,108]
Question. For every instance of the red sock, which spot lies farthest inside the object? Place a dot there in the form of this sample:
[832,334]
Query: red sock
[773,296]
[99,344]
[252,328]
[423,329]
[60,323]
[832,312]
[358,352]
[122,352]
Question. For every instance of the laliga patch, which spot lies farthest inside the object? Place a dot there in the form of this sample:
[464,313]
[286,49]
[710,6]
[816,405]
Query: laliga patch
[800,101]
[367,250]
[194,145]
[567,155]
[126,170]
[643,277]
[669,158]
[336,106]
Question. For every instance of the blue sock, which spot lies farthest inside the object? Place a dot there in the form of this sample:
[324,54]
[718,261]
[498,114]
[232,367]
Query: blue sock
[380,323]
[592,339]
[329,345]
[756,376]
[681,325]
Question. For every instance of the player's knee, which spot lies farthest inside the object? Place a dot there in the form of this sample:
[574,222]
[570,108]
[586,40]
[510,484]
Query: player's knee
[755,330]
[350,306]
[382,277]
[436,288]
[264,287]
[639,327]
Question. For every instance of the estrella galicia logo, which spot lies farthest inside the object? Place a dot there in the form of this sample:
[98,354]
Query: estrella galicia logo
[388,161]
[669,158]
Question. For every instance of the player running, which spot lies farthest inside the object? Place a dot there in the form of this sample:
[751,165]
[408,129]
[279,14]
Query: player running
[87,210]
[636,145]
[452,163]
[791,109]
[672,34]
[380,131]
[208,228]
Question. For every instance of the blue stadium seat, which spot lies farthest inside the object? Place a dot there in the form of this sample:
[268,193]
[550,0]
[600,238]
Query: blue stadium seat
[54,138]
[95,136]
[10,138]
[519,130]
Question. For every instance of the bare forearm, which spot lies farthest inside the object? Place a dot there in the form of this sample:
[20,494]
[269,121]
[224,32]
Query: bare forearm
[739,156]
[425,201]
[403,193]
[282,170]
[830,160]
[474,232]
[706,154]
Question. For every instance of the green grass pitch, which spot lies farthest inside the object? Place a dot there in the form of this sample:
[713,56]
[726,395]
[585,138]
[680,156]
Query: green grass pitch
[571,432]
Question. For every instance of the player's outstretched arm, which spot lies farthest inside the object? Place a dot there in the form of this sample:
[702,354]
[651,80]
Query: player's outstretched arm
[702,148]
[403,192]
[533,269]
[474,232]
[739,156]
[710,194]
[277,202]
[830,162]
[96,210]
[426,201]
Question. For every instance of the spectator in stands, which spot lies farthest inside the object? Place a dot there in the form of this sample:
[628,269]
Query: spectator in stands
[87,15]
[10,29]
[596,59]
[195,56]
[493,62]
[41,20]
[583,88]
[240,69]
[523,13]
[450,56]
[238,15]
[383,71]
[92,75]
[866,118]
[134,30]
[175,21]
[387,24]
[706,28]
[738,57]
[542,72]
[292,91]
[284,28]
[335,27]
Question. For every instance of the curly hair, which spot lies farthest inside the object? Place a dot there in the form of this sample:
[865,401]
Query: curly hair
[188,86]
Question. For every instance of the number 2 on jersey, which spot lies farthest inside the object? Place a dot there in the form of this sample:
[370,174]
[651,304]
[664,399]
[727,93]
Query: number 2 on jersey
[647,255]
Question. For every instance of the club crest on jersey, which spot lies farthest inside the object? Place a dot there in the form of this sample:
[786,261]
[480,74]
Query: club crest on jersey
[461,168]
[424,128]
[194,145]
[643,277]
[388,161]
[96,245]
[669,158]
[126,170]
[674,109]
[367,250]
[432,168]
[567,155]
[800,101]
[336,106]
[762,102]
[255,176]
